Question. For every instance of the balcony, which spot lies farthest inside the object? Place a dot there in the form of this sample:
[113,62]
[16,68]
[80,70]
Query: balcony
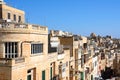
[11,62]
[22,27]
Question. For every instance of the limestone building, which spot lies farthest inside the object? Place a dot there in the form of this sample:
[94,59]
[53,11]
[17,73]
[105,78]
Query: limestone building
[23,47]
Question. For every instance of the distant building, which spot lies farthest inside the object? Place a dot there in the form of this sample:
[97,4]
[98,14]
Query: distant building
[23,47]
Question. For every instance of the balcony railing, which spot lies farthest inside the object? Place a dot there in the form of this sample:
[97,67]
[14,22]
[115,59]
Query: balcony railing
[37,27]
[14,25]
[11,62]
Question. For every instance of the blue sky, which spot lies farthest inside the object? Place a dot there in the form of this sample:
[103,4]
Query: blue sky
[76,16]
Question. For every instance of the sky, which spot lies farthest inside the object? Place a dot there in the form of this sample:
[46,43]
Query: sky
[77,16]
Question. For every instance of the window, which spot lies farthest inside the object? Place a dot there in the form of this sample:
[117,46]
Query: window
[19,19]
[9,16]
[11,49]
[14,17]
[36,48]
[31,74]
[85,45]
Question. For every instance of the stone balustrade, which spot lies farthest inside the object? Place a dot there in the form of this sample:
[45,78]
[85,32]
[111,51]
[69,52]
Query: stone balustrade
[22,26]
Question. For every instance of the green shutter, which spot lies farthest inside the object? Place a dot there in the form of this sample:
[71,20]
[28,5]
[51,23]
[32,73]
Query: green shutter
[43,75]
[91,77]
[82,76]
[29,77]
[51,73]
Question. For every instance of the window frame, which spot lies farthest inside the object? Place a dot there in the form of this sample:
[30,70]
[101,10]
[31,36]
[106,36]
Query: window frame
[37,48]
[11,49]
